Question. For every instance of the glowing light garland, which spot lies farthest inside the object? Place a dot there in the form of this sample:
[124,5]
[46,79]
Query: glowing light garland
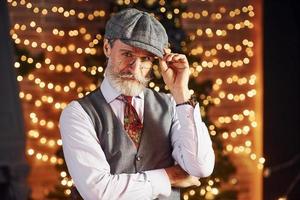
[59,10]
[63,50]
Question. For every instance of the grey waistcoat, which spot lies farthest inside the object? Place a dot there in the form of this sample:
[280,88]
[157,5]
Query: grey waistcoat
[155,149]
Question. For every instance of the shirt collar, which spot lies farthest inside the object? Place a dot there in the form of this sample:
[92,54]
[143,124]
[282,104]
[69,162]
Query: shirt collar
[110,93]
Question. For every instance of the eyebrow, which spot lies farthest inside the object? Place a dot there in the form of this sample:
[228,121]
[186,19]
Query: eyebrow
[131,51]
[126,50]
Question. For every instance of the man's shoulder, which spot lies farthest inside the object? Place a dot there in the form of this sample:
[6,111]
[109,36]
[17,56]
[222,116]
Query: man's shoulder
[89,95]
[158,95]
[70,110]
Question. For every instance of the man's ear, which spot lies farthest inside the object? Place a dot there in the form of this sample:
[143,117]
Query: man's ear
[106,48]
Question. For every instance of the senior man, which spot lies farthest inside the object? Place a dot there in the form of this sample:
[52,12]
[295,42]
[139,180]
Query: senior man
[124,141]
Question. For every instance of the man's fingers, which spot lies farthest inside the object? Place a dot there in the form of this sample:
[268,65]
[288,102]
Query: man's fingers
[163,65]
[187,181]
[167,50]
[174,57]
[168,57]
[196,181]
[179,57]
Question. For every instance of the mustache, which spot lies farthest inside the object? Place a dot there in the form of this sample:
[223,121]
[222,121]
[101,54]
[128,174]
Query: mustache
[127,75]
[130,75]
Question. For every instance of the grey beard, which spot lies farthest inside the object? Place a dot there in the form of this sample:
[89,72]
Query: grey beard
[126,87]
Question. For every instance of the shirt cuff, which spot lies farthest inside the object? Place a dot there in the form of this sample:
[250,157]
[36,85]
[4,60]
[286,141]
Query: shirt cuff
[188,112]
[159,179]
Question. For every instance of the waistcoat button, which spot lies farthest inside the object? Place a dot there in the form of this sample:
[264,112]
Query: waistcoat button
[138,158]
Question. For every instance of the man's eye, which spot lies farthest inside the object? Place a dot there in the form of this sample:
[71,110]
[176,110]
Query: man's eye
[148,58]
[127,54]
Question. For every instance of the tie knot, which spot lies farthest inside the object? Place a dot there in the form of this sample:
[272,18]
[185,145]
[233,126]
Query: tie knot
[126,99]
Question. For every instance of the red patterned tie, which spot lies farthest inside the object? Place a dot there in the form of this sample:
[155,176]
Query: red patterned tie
[132,123]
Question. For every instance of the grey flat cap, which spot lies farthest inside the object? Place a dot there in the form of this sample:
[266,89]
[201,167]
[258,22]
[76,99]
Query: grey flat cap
[138,29]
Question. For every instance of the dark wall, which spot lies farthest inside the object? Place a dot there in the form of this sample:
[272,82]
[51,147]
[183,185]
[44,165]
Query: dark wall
[13,166]
[281,97]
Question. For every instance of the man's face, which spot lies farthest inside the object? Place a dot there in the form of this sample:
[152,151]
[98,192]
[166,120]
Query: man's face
[128,67]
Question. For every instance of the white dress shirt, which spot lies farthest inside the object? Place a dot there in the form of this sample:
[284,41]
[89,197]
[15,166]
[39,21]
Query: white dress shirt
[192,150]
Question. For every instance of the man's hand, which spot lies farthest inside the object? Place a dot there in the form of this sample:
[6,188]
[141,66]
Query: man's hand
[175,72]
[179,178]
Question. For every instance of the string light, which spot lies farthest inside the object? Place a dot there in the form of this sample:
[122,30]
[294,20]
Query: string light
[49,124]
[223,64]
[38,102]
[53,143]
[223,96]
[237,117]
[218,16]
[52,159]
[92,70]
[199,50]
[82,31]
[72,85]
[63,50]
[61,11]
[246,149]
[208,32]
